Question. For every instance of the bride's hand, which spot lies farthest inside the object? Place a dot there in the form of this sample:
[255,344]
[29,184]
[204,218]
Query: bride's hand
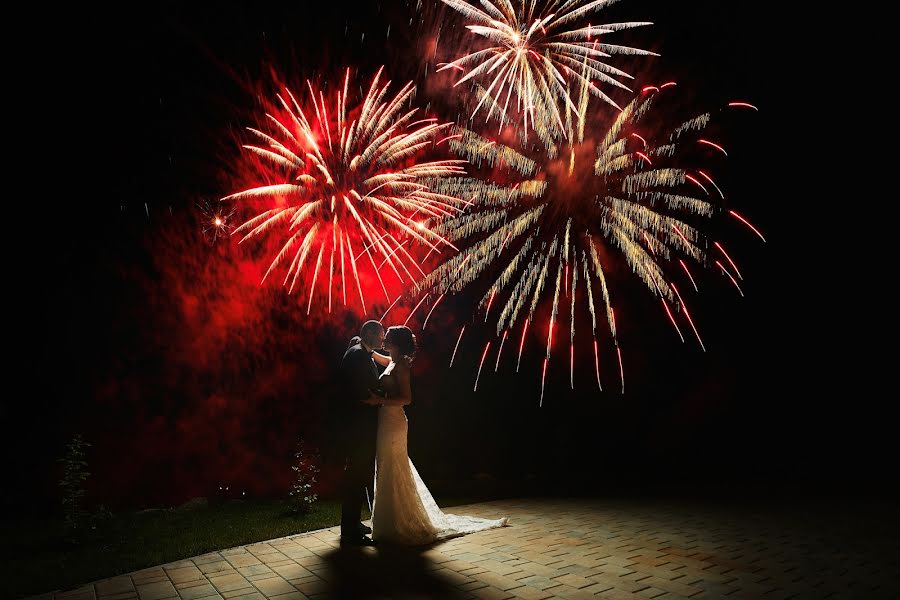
[374,399]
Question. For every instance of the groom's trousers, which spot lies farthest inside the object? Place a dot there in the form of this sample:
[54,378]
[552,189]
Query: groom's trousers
[359,474]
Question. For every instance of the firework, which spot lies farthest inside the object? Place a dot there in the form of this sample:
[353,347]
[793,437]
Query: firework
[556,230]
[216,220]
[350,191]
[539,51]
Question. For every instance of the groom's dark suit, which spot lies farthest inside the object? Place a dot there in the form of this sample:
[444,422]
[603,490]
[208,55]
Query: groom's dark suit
[356,430]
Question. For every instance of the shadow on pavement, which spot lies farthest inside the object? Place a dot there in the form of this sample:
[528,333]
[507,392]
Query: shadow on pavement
[385,571]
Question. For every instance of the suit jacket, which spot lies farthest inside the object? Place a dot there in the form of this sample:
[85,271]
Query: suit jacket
[359,374]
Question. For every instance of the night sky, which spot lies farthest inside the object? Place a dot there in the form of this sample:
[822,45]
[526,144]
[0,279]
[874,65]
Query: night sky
[184,374]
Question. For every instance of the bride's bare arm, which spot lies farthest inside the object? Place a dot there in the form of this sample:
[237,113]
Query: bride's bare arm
[381,359]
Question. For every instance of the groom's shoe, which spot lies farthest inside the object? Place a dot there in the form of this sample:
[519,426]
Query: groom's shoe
[359,540]
[364,529]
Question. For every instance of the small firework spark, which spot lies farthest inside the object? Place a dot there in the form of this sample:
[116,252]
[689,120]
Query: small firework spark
[549,237]
[539,54]
[351,191]
[216,220]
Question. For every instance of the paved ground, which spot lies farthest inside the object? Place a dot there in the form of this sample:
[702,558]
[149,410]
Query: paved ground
[562,549]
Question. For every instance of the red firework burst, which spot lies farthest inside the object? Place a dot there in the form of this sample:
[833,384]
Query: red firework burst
[346,188]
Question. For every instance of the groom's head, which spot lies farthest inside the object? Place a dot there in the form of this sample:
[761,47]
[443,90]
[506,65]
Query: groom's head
[372,334]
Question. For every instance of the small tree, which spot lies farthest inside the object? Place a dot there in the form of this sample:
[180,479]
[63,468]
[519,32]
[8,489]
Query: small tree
[74,475]
[306,470]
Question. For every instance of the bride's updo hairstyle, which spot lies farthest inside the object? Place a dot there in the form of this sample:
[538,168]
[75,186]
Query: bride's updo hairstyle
[402,337]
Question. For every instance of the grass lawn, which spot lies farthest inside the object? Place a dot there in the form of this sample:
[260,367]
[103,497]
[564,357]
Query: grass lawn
[38,556]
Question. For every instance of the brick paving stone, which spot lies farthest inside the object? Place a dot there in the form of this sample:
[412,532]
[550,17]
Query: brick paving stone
[497,581]
[617,594]
[689,575]
[458,565]
[534,569]
[115,585]
[291,571]
[538,581]
[574,569]
[614,569]
[312,587]
[310,562]
[237,592]
[672,586]
[574,580]
[501,568]
[722,589]
[197,591]
[258,570]
[214,567]
[145,574]
[274,558]
[156,590]
[500,556]
[651,592]
[272,586]
[225,582]
[81,593]
[492,593]
[530,593]
[244,559]
[254,595]
[187,584]
[119,596]
[473,585]
[184,574]
[295,595]
[670,596]
[453,576]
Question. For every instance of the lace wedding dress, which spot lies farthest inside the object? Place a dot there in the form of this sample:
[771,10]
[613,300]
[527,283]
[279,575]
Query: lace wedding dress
[404,511]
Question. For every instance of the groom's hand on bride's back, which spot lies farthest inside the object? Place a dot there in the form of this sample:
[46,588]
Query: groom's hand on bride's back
[374,399]
[354,341]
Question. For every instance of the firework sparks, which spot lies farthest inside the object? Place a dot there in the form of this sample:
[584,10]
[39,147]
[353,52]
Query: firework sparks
[568,217]
[433,306]
[543,380]
[455,348]
[672,319]
[714,145]
[621,368]
[731,277]
[413,311]
[688,271]
[709,179]
[481,364]
[393,304]
[743,105]
[216,219]
[521,346]
[747,223]
[725,254]
[687,314]
[500,351]
[349,181]
[538,53]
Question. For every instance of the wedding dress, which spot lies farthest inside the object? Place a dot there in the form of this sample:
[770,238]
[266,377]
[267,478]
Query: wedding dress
[404,511]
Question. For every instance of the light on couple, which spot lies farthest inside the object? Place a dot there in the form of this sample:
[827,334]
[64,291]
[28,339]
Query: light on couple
[369,430]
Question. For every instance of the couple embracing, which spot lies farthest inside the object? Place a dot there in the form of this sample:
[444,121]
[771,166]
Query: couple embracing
[370,429]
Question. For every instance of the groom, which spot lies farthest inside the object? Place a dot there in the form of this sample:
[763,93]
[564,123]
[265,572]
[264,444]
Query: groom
[357,429]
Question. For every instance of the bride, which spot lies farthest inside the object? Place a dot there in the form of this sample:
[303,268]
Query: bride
[404,512]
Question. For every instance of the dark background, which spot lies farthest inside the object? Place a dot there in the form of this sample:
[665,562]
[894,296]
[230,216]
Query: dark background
[129,328]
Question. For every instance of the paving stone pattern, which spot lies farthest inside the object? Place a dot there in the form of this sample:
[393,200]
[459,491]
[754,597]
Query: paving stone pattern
[572,549]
